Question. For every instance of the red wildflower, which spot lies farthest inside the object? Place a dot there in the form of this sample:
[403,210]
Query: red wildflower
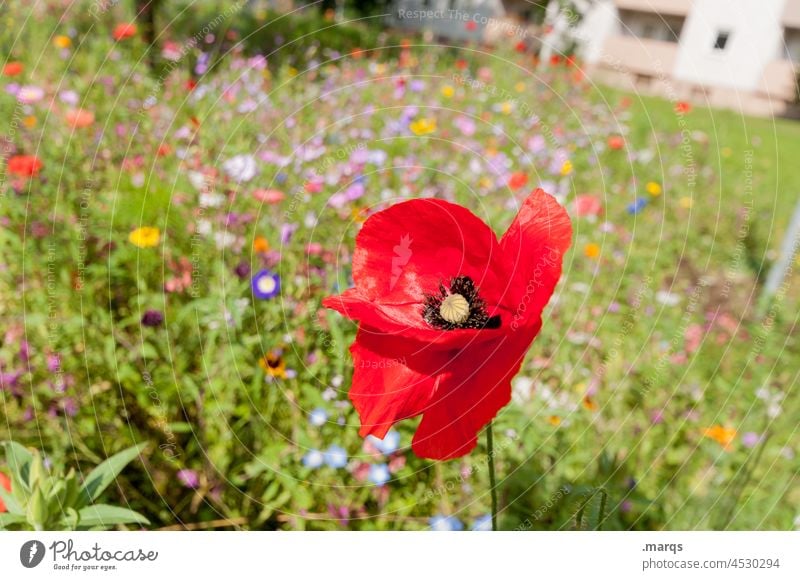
[471,25]
[12,69]
[683,107]
[616,142]
[6,483]
[24,165]
[587,204]
[447,313]
[79,118]
[517,180]
[123,31]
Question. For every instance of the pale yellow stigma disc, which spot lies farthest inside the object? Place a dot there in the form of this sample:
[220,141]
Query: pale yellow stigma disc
[454,309]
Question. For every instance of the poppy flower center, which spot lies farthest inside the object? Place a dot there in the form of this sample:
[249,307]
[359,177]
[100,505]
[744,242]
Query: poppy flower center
[458,305]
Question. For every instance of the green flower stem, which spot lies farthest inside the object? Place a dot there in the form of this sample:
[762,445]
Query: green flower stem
[492,477]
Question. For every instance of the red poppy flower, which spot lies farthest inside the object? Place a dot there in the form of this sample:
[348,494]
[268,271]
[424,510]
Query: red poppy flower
[6,483]
[24,165]
[471,25]
[683,107]
[123,31]
[447,313]
[12,69]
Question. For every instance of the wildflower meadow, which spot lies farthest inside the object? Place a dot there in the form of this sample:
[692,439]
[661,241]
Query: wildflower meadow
[291,272]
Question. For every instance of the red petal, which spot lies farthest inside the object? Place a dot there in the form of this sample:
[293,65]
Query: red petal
[391,381]
[405,251]
[536,243]
[476,387]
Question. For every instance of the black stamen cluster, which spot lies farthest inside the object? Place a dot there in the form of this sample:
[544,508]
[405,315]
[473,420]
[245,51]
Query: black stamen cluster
[478,317]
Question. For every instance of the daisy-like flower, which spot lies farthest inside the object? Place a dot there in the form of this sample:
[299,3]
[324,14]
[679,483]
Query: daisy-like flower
[722,435]
[241,168]
[145,237]
[423,126]
[653,188]
[62,41]
[273,364]
[30,94]
[266,285]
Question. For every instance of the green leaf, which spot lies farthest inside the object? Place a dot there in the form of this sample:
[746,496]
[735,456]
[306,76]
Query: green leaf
[19,460]
[9,519]
[38,513]
[12,505]
[593,508]
[104,474]
[103,515]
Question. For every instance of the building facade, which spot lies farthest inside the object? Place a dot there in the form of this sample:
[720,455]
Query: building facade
[739,54]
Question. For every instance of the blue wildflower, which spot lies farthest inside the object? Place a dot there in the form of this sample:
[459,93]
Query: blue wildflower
[317,417]
[441,523]
[335,457]
[313,459]
[379,473]
[483,524]
[637,206]
[389,444]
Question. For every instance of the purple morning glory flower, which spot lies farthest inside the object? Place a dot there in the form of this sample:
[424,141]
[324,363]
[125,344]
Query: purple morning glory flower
[266,285]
